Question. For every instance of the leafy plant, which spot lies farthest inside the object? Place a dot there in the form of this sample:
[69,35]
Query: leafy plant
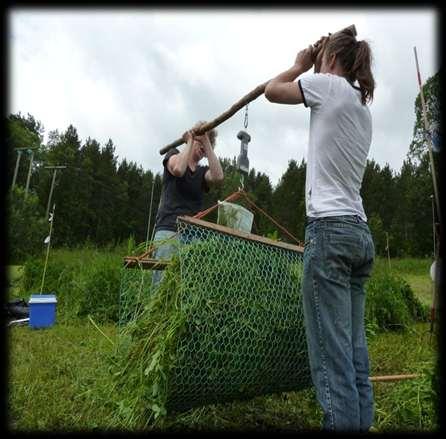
[27,227]
[391,303]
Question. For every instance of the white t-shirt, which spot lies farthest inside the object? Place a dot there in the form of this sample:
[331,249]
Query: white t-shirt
[340,137]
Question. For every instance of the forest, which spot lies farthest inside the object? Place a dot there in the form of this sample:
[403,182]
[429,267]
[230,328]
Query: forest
[103,201]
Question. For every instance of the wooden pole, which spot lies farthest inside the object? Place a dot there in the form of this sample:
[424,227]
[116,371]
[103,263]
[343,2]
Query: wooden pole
[245,100]
[386,378]
[254,94]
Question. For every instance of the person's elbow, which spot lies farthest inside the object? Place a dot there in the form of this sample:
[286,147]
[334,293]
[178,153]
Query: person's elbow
[270,92]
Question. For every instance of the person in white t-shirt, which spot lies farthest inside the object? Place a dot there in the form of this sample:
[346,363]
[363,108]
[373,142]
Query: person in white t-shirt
[339,250]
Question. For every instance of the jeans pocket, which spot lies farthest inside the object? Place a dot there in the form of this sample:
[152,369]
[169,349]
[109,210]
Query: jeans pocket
[340,251]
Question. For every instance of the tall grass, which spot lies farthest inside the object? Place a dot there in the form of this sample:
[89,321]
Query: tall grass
[71,360]
[84,281]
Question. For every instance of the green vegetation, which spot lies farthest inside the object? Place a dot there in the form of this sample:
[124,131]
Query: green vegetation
[69,363]
[213,329]
[89,373]
[103,201]
[27,227]
[85,282]
[14,274]
[72,361]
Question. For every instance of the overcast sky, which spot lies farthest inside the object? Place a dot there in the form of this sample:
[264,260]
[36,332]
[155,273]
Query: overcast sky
[144,76]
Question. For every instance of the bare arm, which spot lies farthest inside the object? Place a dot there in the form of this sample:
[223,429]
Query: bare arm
[177,164]
[283,89]
[215,172]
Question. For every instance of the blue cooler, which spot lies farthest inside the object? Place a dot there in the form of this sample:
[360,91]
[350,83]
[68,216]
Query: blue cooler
[42,310]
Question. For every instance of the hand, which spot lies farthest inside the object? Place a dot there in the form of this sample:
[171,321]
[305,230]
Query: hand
[206,143]
[318,52]
[304,59]
[189,136]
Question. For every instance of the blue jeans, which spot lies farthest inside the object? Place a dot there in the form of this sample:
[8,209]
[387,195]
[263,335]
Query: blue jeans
[338,259]
[164,250]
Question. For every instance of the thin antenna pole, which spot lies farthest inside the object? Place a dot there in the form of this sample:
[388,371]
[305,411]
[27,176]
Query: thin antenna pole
[429,142]
[47,250]
[52,187]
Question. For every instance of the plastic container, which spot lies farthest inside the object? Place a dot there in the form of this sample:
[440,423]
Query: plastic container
[234,216]
[42,310]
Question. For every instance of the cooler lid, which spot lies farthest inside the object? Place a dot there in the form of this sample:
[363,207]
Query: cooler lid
[42,298]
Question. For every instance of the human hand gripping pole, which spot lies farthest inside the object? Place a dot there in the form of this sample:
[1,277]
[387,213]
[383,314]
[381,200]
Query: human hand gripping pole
[316,51]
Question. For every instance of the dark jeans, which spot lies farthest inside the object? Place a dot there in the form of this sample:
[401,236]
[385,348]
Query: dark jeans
[338,259]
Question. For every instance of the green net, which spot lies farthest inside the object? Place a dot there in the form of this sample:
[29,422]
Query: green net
[226,322]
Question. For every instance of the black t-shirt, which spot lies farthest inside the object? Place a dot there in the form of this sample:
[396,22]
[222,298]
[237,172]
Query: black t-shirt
[180,195]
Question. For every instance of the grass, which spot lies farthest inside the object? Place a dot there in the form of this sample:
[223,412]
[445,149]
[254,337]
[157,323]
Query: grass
[63,361]
[416,272]
[69,363]
[85,281]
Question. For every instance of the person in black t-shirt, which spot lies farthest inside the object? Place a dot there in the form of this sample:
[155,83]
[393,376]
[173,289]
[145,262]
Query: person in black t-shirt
[184,183]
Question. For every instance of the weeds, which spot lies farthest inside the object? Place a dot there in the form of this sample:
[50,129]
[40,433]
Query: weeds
[72,363]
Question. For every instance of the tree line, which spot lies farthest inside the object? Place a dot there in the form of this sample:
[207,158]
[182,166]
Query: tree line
[104,202]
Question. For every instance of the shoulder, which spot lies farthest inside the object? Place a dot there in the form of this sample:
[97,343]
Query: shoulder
[317,78]
[315,88]
[169,154]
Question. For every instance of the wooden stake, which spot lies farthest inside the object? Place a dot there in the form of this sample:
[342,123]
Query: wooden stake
[394,377]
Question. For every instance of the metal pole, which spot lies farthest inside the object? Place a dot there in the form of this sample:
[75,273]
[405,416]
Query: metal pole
[19,155]
[434,180]
[29,173]
[426,127]
[47,251]
[51,193]
[52,186]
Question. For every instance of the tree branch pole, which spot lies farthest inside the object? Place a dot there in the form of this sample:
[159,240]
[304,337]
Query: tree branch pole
[387,378]
[254,94]
[245,100]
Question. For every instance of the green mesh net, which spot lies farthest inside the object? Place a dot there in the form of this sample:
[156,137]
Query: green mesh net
[227,320]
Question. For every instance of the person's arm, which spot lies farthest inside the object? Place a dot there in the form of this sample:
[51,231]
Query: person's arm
[177,164]
[283,89]
[215,172]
